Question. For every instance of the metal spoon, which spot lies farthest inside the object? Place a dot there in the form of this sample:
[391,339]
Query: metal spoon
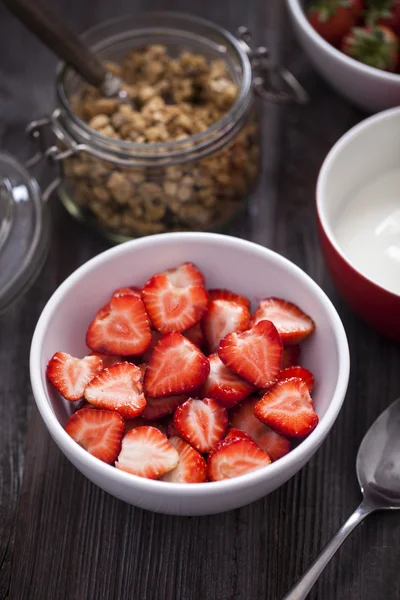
[47,25]
[378,472]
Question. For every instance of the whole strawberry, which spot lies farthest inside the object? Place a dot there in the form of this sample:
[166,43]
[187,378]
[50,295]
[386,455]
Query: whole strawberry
[384,12]
[332,19]
[374,46]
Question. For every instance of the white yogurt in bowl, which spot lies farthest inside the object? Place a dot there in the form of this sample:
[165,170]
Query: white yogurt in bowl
[367,230]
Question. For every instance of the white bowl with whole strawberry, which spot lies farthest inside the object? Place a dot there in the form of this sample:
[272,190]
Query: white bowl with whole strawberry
[189,373]
[355,46]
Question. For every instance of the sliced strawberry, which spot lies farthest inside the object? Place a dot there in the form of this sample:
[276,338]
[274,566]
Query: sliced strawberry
[186,275]
[157,408]
[146,452]
[107,359]
[242,417]
[292,323]
[235,456]
[202,423]
[291,356]
[191,468]
[288,409]
[223,317]
[223,385]
[70,375]
[176,366]
[100,432]
[127,291]
[155,338]
[171,429]
[301,373]
[255,355]
[228,295]
[118,388]
[121,328]
[173,308]
[195,335]
[237,433]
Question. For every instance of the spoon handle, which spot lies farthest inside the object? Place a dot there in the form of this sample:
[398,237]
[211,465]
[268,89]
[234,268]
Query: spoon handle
[53,31]
[301,589]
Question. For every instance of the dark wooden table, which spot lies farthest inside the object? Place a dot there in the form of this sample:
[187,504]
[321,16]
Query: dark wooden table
[61,538]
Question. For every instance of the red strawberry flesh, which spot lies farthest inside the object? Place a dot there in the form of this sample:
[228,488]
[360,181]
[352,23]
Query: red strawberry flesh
[292,323]
[118,388]
[288,409]
[191,468]
[202,423]
[173,308]
[221,294]
[300,373]
[146,452]
[176,366]
[71,375]
[243,418]
[254,355]
[97,431]
[225,386]
[121,328]
[235,456]
[223,317]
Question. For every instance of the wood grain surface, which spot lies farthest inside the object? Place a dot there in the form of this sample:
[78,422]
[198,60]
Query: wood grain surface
[62,538]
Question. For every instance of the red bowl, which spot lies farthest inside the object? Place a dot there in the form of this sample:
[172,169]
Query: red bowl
[359,157]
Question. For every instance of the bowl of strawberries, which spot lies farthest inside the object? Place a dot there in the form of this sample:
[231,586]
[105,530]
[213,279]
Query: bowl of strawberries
[355,46]
[189,373]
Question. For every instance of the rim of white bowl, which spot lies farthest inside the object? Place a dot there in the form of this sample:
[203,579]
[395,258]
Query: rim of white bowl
[322,184]
[296,7]
[297,455]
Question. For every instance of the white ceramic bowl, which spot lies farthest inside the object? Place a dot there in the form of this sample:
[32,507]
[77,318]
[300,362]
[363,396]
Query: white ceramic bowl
[226,262]
[369,88]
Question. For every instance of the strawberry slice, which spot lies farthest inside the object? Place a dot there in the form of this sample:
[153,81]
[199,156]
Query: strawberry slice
[157,408]
[223,317]
[176,366]
[121,327]
[173,308]
[300,373]
[70,375]
[142,366]
[288,409]
[195,335]
[202,423]
[223,385]
[237,433]
[118,388]
[235,456]
[291,356]
[292,323]
[255,355]
[99,432]
[146,452]
[219,294]
[242,417]
[186,275]
[191,468]
[107,359]
[127,291]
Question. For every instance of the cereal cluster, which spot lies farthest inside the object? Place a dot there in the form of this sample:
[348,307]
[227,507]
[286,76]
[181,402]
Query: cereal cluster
[172,99]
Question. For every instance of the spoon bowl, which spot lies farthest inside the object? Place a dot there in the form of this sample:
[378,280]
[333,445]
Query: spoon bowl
[378,473]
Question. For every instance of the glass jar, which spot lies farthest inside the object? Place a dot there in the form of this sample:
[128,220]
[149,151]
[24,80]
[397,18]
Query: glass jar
[200,182]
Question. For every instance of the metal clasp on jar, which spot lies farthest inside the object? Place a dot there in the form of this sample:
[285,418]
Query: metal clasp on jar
[272,83]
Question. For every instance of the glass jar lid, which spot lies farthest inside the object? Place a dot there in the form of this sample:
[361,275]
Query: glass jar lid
[24,230]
